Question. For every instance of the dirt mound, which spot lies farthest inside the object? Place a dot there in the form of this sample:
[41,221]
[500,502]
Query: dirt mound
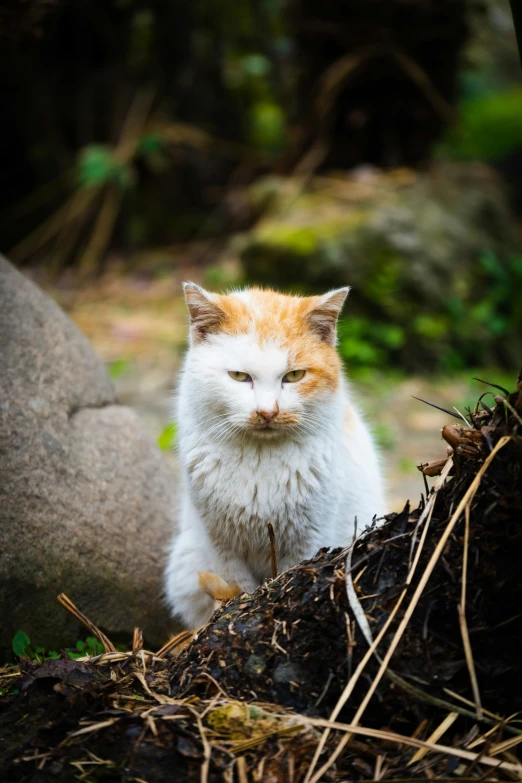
[397,658]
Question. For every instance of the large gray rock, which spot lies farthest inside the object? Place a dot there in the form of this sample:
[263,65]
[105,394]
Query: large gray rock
[87,502]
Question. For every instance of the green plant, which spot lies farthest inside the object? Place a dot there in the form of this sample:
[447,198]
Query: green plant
[117,367]
[365,342]
[489,126]
[22,647]
[168,437]
[105,179]
[495,317]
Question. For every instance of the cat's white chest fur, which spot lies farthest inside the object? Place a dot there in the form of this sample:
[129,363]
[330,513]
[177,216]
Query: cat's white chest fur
[267,433]
[240,488]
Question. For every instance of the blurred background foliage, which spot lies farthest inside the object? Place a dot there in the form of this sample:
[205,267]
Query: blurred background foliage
[296,143]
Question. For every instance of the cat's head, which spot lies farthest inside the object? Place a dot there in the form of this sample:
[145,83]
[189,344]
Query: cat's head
[261,363]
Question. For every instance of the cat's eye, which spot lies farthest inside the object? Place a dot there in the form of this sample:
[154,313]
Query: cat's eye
[239,376]
[293,376]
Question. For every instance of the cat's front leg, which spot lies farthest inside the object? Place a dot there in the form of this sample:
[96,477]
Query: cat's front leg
[191,554]
[235,570]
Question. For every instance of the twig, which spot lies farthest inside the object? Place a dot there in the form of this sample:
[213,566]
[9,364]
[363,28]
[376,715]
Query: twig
[273,550]
[423,81]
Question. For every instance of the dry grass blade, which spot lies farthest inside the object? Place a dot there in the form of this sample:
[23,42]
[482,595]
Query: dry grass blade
[53,225]
[207,750]
[431,747]
[40,196]
[68,604]
[464,626]
[441,729]
[240,747]
[158,696]
[137,639]
[241,770]
[502,747]
[102,230]
[439,408]
[181,638]
[457,696]
[465,501]
[421,78]
[334,79]
[93,727]
[494,385]
[273,550]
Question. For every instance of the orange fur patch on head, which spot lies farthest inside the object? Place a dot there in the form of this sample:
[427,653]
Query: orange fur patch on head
[305,326]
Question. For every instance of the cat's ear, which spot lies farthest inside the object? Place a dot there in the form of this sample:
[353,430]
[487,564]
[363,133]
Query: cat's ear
[205,314]
[323,317]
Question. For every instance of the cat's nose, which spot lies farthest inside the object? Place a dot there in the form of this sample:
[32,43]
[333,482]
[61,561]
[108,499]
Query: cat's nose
[269,415]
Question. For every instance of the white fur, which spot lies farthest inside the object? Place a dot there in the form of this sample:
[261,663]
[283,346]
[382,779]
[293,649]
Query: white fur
[310,482]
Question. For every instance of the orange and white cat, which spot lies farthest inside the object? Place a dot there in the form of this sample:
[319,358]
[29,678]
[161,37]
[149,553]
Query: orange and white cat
[267,432]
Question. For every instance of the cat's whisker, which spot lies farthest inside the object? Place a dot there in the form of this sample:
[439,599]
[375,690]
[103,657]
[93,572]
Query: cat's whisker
[220,423]
[216,435]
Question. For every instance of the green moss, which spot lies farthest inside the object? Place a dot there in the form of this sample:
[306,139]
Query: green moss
[306,238]
[488,128]
[299,240]
[435,283]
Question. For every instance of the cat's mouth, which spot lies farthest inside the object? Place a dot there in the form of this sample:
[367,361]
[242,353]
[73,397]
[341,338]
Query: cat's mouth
[267,431]
[276,426]
[268,427]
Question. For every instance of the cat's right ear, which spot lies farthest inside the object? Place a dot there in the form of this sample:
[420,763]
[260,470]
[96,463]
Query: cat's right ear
[205,314]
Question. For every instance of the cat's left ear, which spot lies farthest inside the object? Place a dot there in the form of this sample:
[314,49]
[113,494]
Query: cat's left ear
[206,315]
[323,317]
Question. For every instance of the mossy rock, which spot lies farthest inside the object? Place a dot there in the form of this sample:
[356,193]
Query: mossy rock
[430,255]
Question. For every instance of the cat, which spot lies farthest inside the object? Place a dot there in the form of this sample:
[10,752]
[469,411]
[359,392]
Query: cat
[267,432]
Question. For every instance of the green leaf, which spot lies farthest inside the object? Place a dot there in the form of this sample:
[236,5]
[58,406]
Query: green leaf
[94,647]
[80,646]
[150,144]
[21,643]
[167,437]
[98,165]
[256,65]
[266,126]
[117,368]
